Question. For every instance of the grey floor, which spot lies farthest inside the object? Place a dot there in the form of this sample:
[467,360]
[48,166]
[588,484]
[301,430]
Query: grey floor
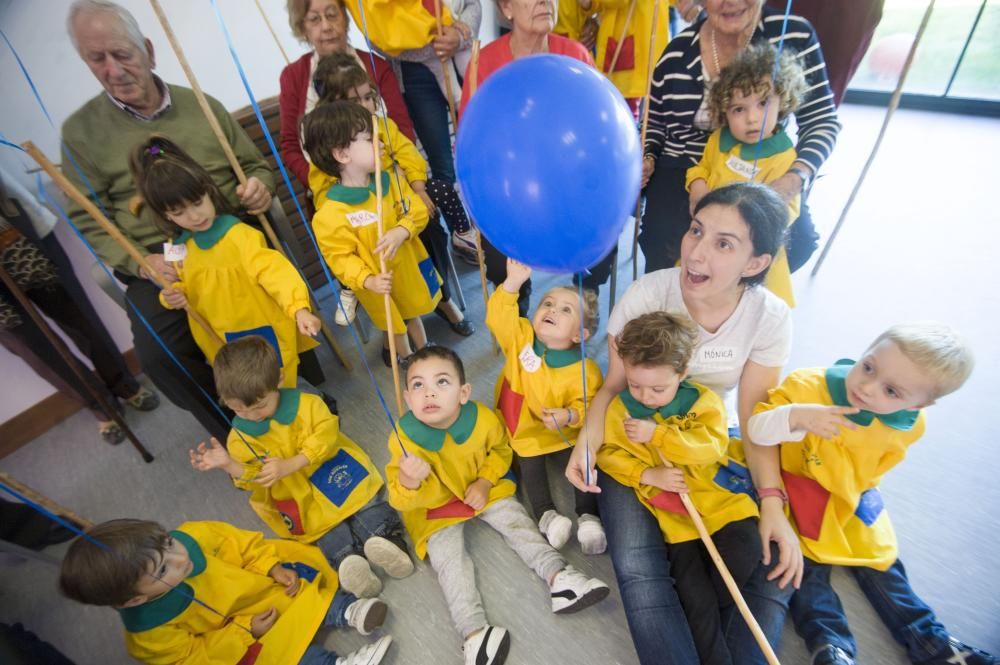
[919,244]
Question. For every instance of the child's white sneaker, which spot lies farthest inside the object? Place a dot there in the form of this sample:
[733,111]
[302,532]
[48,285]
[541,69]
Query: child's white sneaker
[388,556]
[347,315]
[590,533]
[573,591]
[371,654]
[556,528]
[356,577]
[487,647]
[366,614]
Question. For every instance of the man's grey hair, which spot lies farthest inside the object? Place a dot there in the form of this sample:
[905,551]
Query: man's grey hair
[128,21]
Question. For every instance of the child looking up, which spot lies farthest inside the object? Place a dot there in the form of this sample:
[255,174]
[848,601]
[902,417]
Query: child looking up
[751,144]
[841,428]
[227,272]
[314,485]
[539,395]
[338,137]
[665,435]
[457,467]
[208,592]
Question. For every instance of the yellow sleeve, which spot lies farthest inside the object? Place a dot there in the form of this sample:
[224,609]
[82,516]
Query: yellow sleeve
[241,454]
[272,271]
[575,396]
[416,220]
[403,498]
[179,286]
[340,248]
[700,440]
[499,455]
[319,184]
[404,152]
[254,552]
[788,392]
[324,429]
[171,645]
[614,459]
[504,321]
[703,169]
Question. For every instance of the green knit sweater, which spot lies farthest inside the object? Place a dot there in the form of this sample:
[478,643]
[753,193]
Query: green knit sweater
[99,136]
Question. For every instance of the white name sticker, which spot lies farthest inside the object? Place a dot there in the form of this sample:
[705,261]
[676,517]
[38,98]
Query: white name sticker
[361,218]
[529,359]
[174,253]
[737,165]
[715,355]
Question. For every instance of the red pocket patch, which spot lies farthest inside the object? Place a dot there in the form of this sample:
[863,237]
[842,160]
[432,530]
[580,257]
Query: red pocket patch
[670,502]
[807,499]
[626,59]
[290,515]
[251,654]
[510,404]
[454,508]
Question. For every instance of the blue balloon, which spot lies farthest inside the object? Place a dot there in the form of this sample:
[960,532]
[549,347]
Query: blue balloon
[549,162]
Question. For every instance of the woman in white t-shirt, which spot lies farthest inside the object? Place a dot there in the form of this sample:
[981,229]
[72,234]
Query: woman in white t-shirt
[745,339]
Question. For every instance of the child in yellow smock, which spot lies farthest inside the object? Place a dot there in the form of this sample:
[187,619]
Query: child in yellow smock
[665,435]
[751,144]
[208,593]
[449,464]
[840,429]
[308,481]
[227,272]
[338,138]
[540,395]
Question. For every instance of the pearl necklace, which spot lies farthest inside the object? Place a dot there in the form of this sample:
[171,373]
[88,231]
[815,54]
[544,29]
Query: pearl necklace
[715,51]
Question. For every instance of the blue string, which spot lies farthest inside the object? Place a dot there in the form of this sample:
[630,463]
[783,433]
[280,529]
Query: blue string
[305,223]
[774,76]
[583,375]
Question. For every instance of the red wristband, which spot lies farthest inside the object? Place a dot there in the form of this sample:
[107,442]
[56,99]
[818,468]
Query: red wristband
[764,492]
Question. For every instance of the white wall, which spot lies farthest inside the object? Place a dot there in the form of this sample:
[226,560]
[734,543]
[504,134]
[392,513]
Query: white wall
[37,29]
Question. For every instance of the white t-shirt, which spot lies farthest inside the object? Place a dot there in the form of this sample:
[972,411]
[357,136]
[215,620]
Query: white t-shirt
[760,329]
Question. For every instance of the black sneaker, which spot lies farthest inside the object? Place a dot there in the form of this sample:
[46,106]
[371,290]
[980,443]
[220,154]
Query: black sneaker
[831,655]
[959,653]
[487,647]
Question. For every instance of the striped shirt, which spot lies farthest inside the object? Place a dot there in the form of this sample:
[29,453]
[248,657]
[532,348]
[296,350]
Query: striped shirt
[678,87]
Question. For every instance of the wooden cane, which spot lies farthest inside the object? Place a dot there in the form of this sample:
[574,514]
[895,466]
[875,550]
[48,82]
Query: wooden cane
[642,136]
[893,104]
[234,163]
[381,262]
[45,502]
[621,38]
[727,577]
[72,192]
[445,64]
[270,29]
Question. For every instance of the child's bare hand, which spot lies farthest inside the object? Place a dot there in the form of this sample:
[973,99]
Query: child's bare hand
[261,623]
[307,322]
[413,470]
[286,577]
[517,275]
[420,187]
[648,164]
[555,419]
[274,469]
[175,298]
[391,241]
[477,493]
[380,283]
[212,456]
[821,420]
[668,479]
[638,430]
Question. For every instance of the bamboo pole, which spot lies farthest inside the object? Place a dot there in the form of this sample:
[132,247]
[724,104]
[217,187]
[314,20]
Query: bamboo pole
[394,361]
[621,38]
[727,577]
[270,29]
[642,136]
[445,64]
[45,502]
[234,163]
[893,104]
[72,192]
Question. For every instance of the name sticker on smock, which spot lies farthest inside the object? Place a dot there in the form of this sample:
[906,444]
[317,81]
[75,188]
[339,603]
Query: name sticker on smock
[361,218]
[715,355]
[174,253]
[737,165]
[529,359]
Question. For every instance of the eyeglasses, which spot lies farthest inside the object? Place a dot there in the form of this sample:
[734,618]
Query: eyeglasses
[333,15]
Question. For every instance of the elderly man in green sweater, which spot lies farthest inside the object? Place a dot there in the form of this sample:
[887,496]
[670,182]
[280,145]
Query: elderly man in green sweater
[97,139]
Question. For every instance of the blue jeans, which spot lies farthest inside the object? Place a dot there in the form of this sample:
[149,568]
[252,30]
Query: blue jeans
[768,604]
[819,617]
[377,518]
[656,619]
[336,617]
[428,109]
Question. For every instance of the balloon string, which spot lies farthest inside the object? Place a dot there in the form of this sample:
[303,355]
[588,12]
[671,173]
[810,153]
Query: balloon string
[774,76]
[583,375]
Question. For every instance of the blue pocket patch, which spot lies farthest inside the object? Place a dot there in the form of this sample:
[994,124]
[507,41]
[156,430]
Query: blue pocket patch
[430,276]
[510,475]
[338,477]
[267,332]
[735,478]
[870,506]
[308,573]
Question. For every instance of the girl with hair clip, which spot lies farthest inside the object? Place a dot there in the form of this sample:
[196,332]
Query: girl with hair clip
[227,272]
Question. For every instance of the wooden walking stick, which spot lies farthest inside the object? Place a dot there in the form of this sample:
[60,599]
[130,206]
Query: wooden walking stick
[893,104]
[45,502]
[727,577]
[270,29]
[394,361]
[72,192]
[445,64]
[83,375]
[621,38]
[642,136]
[234,163]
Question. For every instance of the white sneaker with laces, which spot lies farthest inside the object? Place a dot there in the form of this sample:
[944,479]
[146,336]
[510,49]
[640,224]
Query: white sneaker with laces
[371,654]
[350,303]
[573,591]
[356,577]
[487,647]
[590,533]
[366,614]
[556,528]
